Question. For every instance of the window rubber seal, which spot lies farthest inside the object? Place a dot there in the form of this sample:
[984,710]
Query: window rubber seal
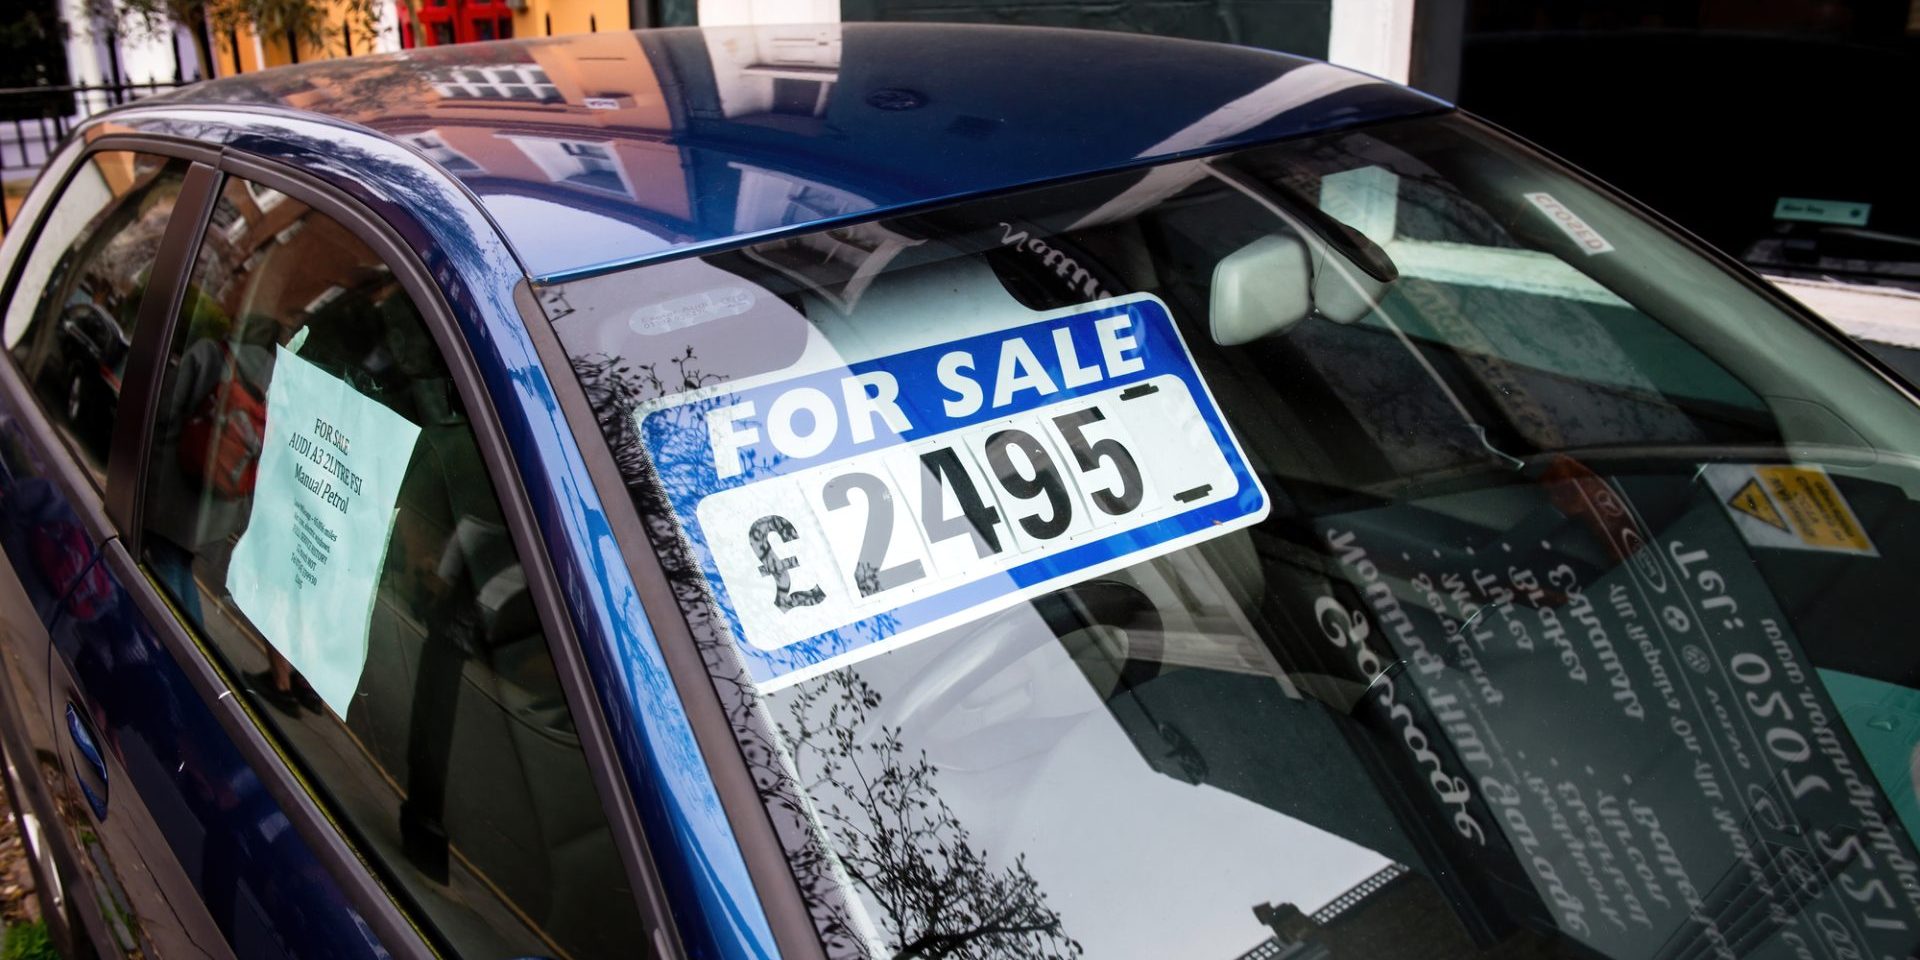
[768,864]
[91,500]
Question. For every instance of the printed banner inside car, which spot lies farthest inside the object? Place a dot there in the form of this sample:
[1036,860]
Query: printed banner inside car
[1603,707]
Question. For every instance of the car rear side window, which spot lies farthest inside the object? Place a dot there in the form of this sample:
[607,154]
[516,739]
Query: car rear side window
[318,509]
[70,321]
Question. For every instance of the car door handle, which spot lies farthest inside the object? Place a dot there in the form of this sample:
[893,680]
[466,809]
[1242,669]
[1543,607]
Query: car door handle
[89,767]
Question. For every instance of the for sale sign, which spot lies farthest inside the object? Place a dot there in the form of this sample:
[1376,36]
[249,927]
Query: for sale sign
[307,568]
[848,510]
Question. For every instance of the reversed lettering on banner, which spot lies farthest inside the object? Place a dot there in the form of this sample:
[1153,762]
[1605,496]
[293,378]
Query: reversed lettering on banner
[1587,238]
[306,568]
[1634,731]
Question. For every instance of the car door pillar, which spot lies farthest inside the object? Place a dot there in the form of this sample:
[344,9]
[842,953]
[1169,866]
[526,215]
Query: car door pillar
[152,332]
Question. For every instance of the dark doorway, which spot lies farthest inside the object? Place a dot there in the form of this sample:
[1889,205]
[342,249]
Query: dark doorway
[1775,129]
[33,53]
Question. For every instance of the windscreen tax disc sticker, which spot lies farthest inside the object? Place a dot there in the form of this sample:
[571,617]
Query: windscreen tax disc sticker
[843,512]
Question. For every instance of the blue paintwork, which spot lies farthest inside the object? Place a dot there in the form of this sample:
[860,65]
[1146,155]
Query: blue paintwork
[916,114]
[40,531]
[715,907]
[89,751]
[260,882]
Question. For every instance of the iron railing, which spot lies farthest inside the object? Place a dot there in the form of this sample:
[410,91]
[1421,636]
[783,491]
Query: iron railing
[35,120]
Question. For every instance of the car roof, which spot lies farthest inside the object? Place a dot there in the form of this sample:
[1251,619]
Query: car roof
[596,151]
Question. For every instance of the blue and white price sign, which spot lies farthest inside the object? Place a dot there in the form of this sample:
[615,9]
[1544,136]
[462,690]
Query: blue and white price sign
[842,513]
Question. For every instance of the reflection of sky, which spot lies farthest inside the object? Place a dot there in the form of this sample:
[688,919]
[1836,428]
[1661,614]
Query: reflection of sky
[1030,760]
[1138,864]
[728,344]
[583,229]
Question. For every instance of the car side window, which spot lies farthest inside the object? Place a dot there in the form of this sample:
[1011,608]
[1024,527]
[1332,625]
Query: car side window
[70,322]
[319,512]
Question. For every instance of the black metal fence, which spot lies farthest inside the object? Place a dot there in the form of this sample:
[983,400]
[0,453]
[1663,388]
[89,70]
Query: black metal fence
[34,121]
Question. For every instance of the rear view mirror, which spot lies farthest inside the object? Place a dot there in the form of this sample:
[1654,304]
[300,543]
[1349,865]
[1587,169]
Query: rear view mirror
[1259,290]
[1317,265]
[1267,286]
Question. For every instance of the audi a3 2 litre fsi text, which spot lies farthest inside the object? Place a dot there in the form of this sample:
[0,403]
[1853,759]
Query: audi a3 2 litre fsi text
[940,492]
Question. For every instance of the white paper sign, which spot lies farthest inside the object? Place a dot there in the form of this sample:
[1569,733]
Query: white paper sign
[1589,239]
[307,566]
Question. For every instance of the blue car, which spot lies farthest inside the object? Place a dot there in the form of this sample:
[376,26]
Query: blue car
[924,491]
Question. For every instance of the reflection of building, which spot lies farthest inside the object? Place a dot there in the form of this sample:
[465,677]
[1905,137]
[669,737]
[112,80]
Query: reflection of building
[409,24]
[774,73]
[585,125]
[1391,915]
[1293,935]
[1395,914]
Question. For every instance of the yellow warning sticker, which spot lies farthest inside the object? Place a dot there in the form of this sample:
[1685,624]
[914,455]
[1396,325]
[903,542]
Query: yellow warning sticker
[1820,515]
[1754,502]
[1795,507]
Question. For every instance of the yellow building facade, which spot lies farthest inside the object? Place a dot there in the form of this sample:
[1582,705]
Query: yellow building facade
[418,23]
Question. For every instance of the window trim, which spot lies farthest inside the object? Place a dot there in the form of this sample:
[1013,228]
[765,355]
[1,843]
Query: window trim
[603,755]
[114,513]
[516,512]
[140,384]
[768,864]
[91,500]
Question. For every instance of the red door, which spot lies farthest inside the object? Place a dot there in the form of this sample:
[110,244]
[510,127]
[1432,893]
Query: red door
[484,20]
[460,21]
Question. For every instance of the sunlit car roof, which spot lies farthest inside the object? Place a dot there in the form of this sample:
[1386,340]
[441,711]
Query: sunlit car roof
[599,150]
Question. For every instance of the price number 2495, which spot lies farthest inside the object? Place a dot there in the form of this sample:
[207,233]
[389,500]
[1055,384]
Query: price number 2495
[1025,480]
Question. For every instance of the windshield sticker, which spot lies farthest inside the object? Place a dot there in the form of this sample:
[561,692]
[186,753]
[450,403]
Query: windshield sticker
[1618,730]
[1790,507]
[1077,278]
[1822,211]
[682,312]
[1585,237]
[307,566]
[841,513]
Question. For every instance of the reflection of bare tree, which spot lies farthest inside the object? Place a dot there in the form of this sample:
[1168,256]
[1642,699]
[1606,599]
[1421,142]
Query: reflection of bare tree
[615,388]
[942,901]
[938,894]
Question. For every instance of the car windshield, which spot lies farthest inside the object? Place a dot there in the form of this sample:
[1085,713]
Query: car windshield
[1380,544]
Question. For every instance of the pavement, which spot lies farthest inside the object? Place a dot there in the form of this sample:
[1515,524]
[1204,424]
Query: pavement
[17,901]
